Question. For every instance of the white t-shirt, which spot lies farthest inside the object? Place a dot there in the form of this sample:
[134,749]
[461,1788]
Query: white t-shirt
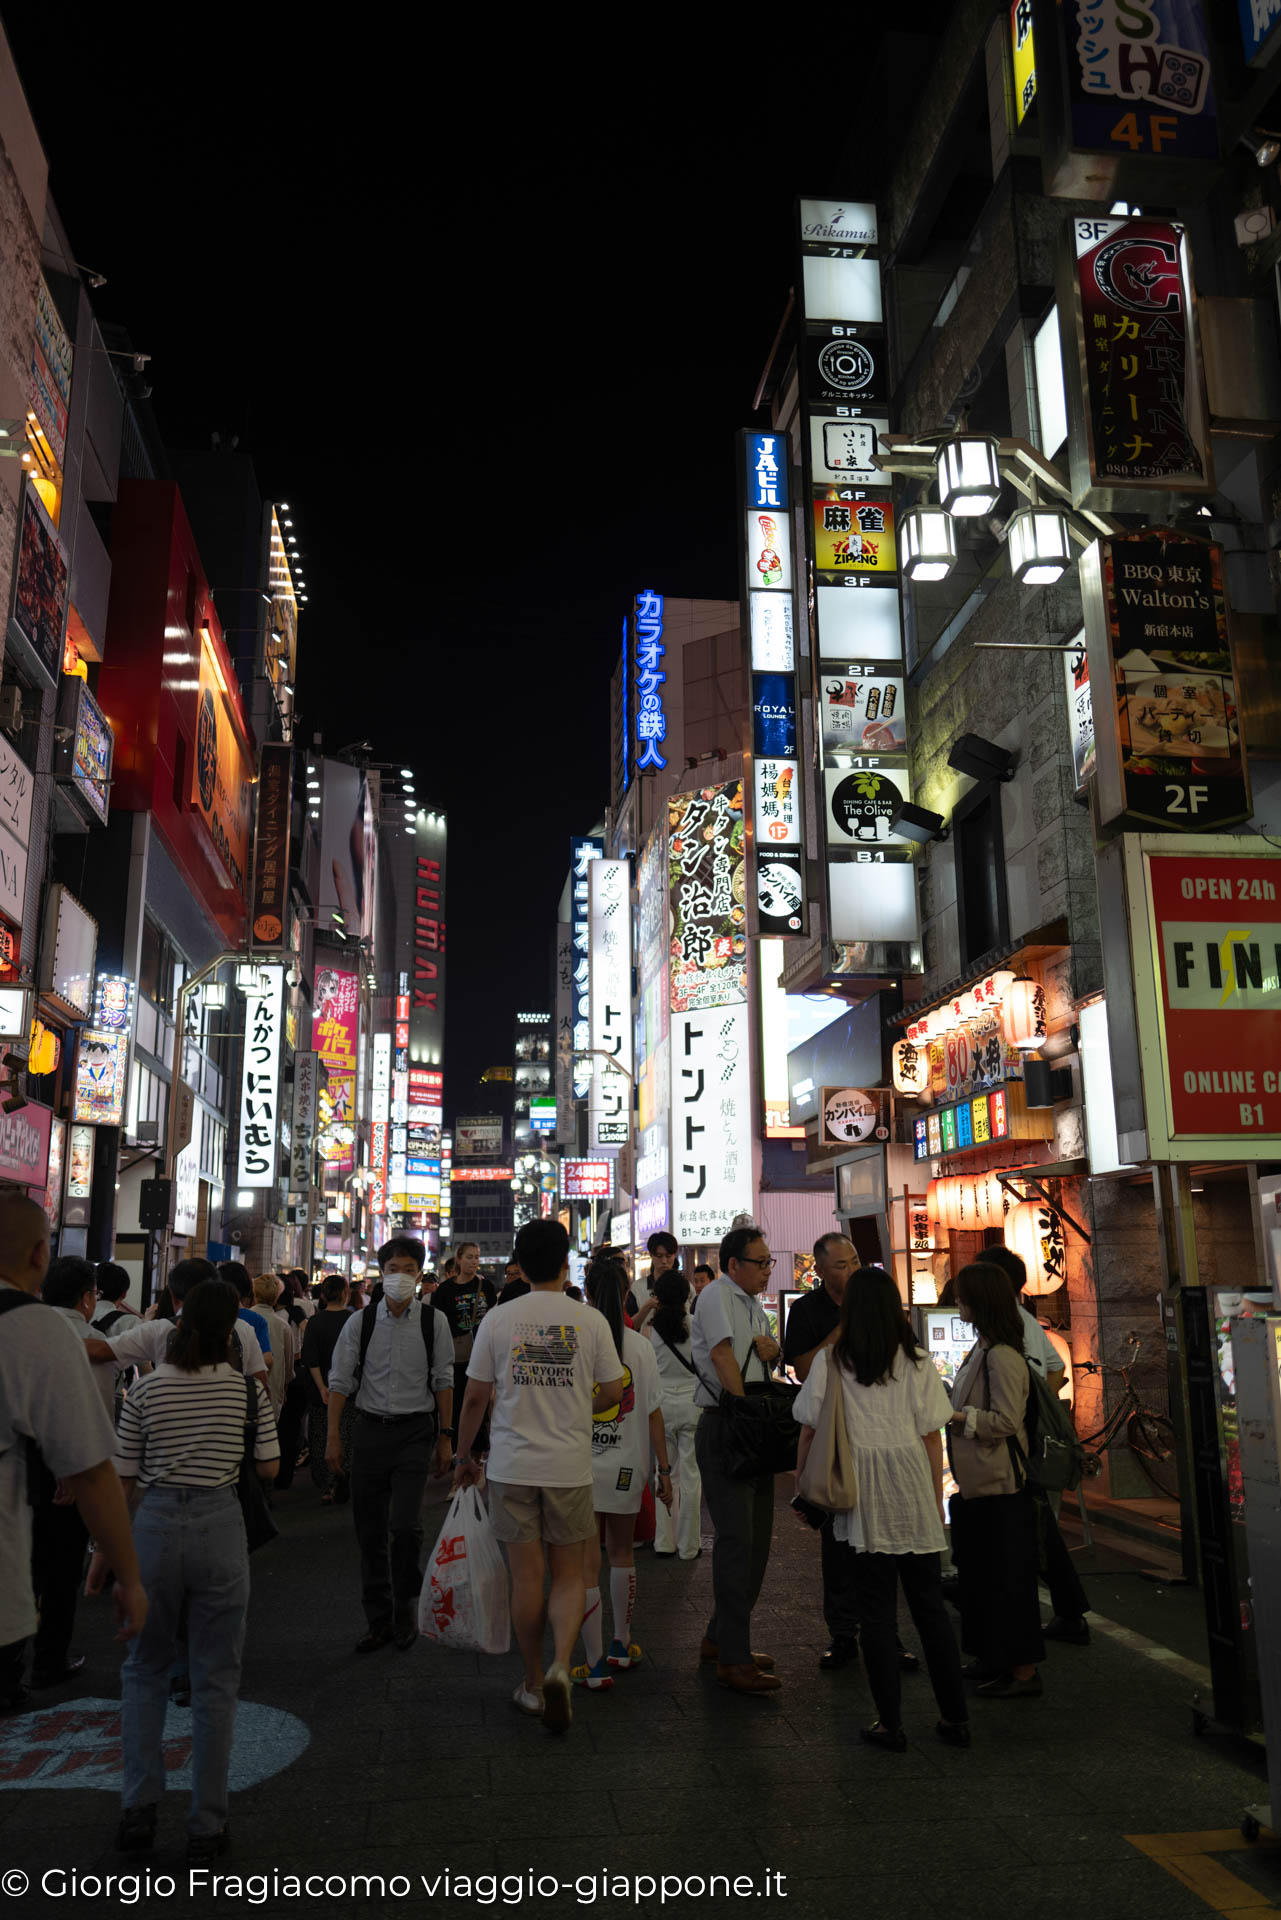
[146,1341]
[1038,1349]
[620,1434]
[896,1510]
[543,1354]
[678,1382]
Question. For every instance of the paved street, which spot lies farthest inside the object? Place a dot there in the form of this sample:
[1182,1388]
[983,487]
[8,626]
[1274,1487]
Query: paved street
[417,1765]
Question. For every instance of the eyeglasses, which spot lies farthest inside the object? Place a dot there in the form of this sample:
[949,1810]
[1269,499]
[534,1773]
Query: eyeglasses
[750,1260]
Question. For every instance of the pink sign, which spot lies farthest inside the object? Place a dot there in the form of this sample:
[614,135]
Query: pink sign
[333,1035]
[24,1146]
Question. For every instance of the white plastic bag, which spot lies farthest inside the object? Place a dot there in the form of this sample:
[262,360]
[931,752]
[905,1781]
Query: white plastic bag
[464,1601]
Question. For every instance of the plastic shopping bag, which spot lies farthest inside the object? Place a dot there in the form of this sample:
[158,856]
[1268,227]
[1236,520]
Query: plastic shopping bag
[464,1601]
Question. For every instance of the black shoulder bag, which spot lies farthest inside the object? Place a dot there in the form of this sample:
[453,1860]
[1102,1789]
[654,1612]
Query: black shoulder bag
[761,1431]
[259,1525]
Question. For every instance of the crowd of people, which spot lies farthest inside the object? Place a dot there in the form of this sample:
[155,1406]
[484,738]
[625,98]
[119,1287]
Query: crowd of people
[595,1425]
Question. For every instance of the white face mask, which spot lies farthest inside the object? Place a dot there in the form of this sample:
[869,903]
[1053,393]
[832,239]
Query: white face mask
[398,1286]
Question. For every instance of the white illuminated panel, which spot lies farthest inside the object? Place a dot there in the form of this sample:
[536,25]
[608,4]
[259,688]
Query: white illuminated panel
[842,289]
[260,1081]
[711,1122]
[872,900]
[610,1000]
[859,623]
[773,643]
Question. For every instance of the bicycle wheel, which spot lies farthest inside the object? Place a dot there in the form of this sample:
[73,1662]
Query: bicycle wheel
[1151,1438]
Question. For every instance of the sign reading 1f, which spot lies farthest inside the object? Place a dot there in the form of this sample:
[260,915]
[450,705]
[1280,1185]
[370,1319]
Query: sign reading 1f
[651,716]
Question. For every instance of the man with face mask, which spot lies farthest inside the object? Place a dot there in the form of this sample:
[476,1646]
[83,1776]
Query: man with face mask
[397,1359]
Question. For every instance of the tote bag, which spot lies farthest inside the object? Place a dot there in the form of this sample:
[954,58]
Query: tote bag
[827,1478]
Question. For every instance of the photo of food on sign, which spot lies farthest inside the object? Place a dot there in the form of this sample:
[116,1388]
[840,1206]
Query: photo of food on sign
[865,714]
[1177,713]
[707,880]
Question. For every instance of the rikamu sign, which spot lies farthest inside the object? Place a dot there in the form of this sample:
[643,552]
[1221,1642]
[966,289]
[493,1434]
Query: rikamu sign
[1132,366]
[1166,719]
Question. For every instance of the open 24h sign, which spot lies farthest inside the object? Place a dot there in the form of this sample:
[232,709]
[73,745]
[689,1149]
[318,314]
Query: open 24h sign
[1206,931]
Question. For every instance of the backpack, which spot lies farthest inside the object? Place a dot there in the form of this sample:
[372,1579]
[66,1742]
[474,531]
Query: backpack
[369,1314]
[1055,1459]
[40,1481]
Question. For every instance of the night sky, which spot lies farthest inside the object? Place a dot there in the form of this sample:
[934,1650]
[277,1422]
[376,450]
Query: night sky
[490,339]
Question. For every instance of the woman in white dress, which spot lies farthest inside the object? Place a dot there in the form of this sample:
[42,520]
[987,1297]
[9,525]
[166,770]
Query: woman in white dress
[894,1406]
[669,1335]
[621,1440]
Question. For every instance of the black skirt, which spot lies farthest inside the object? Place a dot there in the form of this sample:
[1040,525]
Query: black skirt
[994,1547]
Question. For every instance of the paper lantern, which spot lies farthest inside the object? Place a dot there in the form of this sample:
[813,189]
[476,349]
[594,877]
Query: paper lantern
[1023,1014]
[1034,1231]
[911,1067]
[993,987]
[989,1200]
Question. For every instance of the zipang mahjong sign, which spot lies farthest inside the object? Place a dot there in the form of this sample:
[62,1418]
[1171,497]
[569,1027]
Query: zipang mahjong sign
[1206,931]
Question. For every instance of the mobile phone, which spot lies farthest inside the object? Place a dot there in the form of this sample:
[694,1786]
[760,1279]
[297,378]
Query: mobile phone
[814,1516]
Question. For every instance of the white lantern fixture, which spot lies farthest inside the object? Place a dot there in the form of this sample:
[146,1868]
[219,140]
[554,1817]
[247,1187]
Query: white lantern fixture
[968,475]
[911,1067]
[1023,1014]
[1040,546]
[927,544]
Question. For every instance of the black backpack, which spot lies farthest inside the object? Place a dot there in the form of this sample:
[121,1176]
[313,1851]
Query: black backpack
[1055,1459]
[40,1481]
[367,1318]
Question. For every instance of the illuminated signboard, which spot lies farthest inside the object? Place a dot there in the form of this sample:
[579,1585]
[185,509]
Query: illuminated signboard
[979,1120]
[1023,49]
[113,1003]
[542,1113]
[582,852]
[947,1124]
[708,889]
[586,1179]
[651,716]
[934,1133]
[998,1115]
[711,1122]
[774,881]
[302,1138]
[610,1000]
[260,1081]
[920,1139]
[481,1176]
[84,755]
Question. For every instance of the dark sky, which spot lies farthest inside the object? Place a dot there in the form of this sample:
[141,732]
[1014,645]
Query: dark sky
[488,319]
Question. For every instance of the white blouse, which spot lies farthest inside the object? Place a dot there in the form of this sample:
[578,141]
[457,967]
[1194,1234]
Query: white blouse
[896,1511]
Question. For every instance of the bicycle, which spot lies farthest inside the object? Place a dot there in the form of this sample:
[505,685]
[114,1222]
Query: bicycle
[1150,1435]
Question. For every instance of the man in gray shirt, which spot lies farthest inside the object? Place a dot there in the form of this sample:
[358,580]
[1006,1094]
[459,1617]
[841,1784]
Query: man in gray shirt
[404,1422]
[731,1342]
[48,1399]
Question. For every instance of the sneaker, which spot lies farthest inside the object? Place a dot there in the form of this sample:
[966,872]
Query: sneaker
[599,1678]
[557,1711]
[528,1700]
[621,1656]
[137,1829]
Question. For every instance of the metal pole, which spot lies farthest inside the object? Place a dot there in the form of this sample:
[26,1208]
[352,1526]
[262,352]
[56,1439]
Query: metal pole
[1177,1236]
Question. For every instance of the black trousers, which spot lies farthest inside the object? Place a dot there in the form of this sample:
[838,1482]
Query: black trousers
[13,1660]
[58,1541]
[840,1609]
[1058,1569]
[994,1546]
[875,1579]
[389,1469]
[743,1514]
[290,1424]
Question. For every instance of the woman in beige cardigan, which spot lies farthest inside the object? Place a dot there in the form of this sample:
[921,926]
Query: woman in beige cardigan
[994,1540]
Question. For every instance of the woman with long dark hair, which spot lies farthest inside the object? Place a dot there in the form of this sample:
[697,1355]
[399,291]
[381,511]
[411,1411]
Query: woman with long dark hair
[621,1439]
[669,1335]
[893,1404]
[994,1538]
[178,1449]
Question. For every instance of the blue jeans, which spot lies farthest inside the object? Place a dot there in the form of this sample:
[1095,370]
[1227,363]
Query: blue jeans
[191,1548]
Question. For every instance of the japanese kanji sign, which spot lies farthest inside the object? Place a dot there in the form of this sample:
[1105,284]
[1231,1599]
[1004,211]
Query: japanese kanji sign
[708,888]
[1133,373]
[610,999]
[271,846]
[582,853]
[303,1131]
[1169,746]
[651,678]
[260,1080]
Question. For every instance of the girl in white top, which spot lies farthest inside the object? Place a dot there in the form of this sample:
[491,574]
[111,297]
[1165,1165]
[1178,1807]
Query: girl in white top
[669,1334]
[893,1404]
[621,1441]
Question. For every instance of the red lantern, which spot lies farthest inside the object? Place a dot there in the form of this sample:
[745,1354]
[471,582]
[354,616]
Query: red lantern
[1023,1014]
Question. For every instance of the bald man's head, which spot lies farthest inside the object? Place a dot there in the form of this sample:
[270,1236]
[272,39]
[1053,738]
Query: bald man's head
[24,1240]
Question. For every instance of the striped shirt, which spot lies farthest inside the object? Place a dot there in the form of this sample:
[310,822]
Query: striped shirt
[188,1429]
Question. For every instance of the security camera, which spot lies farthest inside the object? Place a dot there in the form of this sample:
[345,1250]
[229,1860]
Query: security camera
[139,361]
[293,978]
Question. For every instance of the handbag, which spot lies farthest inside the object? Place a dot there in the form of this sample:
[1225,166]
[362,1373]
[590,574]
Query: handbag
[761,1433]
[259,1525]
[827,1478]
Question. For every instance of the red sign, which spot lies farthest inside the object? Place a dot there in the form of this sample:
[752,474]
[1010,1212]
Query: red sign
[481,1173]
[24,1146]
[998,1115]
[1217,929]
[586,1179]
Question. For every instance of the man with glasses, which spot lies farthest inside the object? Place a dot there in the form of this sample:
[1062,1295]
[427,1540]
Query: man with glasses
[732,1342]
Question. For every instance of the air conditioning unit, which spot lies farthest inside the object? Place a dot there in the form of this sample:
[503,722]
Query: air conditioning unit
[11,709]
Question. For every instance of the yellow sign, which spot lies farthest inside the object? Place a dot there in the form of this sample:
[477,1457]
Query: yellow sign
[221,776]
[853,532]
[1024,52]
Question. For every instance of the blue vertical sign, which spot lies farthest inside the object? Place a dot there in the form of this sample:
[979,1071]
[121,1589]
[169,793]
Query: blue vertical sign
[651,714]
